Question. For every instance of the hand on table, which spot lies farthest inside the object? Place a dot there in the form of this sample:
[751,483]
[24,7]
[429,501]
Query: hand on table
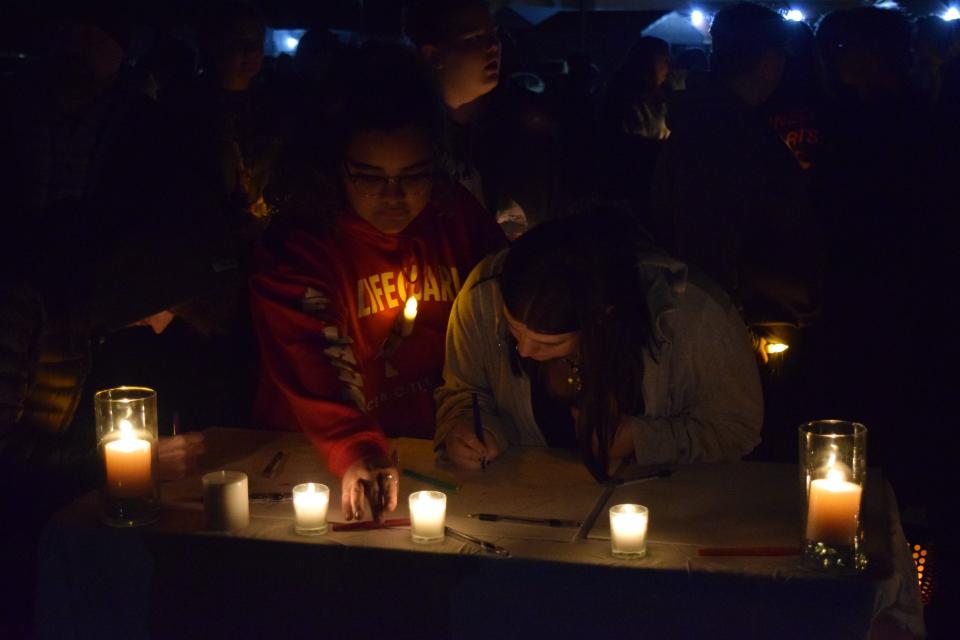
[466,450]
[372,481]
[178,455]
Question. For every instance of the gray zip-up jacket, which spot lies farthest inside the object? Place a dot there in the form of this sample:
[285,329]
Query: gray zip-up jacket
[701,389]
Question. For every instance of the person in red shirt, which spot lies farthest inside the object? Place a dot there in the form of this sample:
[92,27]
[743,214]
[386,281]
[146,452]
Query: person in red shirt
[339,362]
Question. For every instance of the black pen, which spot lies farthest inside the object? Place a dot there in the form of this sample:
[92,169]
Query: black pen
[662,473]
[478,428]
[272,465]
[548,522]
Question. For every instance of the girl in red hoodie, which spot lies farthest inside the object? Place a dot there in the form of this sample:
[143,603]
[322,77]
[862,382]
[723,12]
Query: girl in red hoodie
[339,362]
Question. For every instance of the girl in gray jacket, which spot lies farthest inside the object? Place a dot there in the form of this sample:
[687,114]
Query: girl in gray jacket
[581,336]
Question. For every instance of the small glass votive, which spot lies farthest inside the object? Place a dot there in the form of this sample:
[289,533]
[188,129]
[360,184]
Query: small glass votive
[832,475]
[226,500]
[428,510]
[628,530]
[126,420]
[310,502]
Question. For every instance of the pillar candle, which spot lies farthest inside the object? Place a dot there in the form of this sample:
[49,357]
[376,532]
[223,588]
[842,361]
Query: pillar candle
[834,510]
[129,464]
[226,500]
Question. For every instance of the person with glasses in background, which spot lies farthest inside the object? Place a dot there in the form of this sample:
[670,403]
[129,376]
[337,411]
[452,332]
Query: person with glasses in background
[366,222]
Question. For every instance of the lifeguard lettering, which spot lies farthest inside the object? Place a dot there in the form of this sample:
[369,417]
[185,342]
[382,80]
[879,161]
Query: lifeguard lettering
[390,290]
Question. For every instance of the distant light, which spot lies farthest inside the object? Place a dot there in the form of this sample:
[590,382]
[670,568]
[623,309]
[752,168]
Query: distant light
[795,15]
[951,14]
[776,347]
[697,18]
[887,4]
[291,43]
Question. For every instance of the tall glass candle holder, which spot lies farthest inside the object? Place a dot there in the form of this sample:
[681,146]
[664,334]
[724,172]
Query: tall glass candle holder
[127,441]
[833,466]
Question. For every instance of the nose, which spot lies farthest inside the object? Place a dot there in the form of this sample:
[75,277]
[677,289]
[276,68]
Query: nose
[392,189]
[525,348]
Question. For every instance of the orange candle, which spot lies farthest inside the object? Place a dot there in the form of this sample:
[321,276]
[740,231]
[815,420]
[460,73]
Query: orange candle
[128,460]
[834,510]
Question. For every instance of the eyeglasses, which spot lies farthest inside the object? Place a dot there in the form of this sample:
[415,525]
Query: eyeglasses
[370,185]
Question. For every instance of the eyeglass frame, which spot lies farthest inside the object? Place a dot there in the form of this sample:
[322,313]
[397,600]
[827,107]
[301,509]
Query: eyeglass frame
[386,181]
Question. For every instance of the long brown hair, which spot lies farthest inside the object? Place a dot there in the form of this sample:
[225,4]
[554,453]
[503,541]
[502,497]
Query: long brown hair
[579,274]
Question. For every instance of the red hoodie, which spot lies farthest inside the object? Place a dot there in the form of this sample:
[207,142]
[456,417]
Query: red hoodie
[324,307]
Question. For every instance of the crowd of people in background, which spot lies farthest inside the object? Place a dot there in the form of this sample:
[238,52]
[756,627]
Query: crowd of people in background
[217,225]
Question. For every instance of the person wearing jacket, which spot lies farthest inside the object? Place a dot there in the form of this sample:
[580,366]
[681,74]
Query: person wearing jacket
[582,336]
[339,361]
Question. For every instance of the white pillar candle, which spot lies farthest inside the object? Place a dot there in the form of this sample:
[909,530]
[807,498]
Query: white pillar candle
[129,463]
[409,316]
[310,502]
[628,530]
[226,500]
[428,510]
[833,511]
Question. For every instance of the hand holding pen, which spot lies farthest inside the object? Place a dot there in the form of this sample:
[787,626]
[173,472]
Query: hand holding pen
[467,444]
[372,482]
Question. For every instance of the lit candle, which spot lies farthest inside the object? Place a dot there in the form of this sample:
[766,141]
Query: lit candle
[226,500]
[628,530]
[409,316]
[128,461]
[834,509]
[310,501]
[428,510]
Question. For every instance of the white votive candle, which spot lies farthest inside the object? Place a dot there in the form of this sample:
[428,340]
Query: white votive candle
[129,463]
[834,510]
[628,530]
[428,510]
[226,500]
[310,502]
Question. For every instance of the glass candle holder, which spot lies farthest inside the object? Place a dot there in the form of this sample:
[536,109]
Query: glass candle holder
[833,469]
[628,530]
[226,500]
[428,511]
[127,440]
[310,502]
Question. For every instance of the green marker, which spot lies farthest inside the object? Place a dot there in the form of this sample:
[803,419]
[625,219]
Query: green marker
[440,484]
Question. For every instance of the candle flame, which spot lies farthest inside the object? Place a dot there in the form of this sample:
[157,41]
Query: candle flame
[410,308]
[836,475]
[126,429]
[777,347]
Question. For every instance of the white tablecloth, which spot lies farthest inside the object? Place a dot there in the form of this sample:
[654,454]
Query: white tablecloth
[138,583]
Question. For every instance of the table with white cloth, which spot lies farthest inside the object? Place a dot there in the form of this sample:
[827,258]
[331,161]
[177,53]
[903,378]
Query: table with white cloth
[174,578]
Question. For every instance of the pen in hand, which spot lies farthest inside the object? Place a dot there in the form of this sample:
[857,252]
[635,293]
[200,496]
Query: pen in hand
[478,428]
